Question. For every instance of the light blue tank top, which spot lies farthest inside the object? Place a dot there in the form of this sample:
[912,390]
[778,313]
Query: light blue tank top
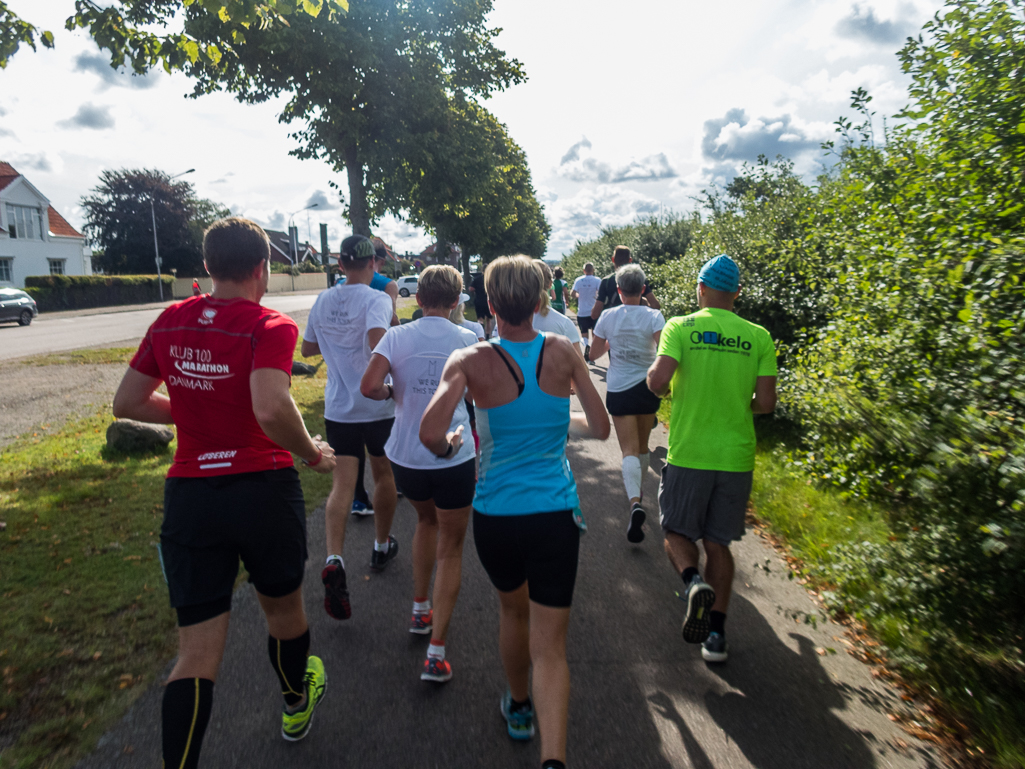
[523,465]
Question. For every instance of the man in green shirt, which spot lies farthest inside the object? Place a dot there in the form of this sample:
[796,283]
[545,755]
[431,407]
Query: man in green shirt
[721,370]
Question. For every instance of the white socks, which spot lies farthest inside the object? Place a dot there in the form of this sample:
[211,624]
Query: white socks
[338,557]
[381,547]
[421,607]
[632,476]
[436,651]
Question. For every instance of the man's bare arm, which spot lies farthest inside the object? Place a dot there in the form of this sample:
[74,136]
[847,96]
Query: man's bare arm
[280,420]
[309,349]
[764,400]
[660,374]
[137,398]
[599,305]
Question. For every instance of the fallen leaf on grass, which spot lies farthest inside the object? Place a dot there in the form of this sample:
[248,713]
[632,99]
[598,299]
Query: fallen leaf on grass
[133,557]
[97,655]
[66,653]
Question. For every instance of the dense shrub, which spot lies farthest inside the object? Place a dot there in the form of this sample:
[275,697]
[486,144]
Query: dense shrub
[896,287]
[77,292]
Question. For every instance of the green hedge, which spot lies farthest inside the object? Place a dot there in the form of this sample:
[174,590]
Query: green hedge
[76,292]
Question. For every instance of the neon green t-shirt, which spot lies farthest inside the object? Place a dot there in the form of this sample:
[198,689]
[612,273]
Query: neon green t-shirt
[721,357]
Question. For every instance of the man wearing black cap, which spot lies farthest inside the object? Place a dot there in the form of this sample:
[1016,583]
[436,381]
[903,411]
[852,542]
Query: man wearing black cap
[344,326]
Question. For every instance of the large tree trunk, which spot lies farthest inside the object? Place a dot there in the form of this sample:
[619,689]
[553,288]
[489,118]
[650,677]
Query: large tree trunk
[359,214]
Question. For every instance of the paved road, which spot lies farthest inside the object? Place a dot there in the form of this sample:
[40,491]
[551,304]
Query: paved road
[641,697]
[72,331]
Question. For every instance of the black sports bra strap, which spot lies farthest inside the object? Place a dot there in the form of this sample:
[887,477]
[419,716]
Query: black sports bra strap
[540,359]
[502,354]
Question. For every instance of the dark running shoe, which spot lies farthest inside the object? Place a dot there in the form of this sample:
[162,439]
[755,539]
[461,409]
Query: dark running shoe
[379,560]
[699,597]
[635,533]
[336,594]
[714,649]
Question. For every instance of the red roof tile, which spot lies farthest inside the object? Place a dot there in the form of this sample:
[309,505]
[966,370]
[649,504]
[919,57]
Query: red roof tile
[60,226]
[7,174]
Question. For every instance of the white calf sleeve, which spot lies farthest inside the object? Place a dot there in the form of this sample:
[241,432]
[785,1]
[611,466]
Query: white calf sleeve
[632,476]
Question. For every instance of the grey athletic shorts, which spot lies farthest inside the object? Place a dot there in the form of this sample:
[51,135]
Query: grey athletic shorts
[704,504]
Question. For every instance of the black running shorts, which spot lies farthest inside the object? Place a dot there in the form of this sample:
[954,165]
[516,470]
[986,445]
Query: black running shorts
[211,523]
[540,549]
[451,488]
[350,439]
[483,310]
[586,323]
[637,400]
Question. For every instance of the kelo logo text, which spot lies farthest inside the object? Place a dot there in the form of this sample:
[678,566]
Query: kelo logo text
[716,340]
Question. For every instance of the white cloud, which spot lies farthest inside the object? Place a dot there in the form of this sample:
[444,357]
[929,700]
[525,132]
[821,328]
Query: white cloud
[583,215]
[579,166]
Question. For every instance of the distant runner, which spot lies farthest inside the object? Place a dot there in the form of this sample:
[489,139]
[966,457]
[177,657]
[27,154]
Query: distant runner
[439,488]
[345,325]
[608,297]
[560,292]
[585,291]
[480,304]
[523,524]
[722,370]
[232,491]
[630,334]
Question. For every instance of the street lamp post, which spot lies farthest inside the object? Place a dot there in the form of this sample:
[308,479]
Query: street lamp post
[293,240]
[156,244]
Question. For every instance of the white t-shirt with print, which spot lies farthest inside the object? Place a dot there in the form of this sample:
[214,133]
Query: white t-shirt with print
[338,323]
[417,353]
[476,328]
[630,331]
[557,323]
[586,287]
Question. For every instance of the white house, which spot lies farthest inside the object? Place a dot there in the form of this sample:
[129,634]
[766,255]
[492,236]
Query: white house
[34,238]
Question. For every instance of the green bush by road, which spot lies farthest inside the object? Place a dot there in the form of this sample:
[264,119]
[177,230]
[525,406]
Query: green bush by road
[894,286]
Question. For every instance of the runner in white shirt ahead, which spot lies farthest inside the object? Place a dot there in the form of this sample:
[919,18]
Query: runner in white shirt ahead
[440,488]
[344,326]
[585,291]
[630,332]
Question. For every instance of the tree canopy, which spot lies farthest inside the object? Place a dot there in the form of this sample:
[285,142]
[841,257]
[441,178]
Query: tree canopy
[120,225]
[123,28]
[460,174]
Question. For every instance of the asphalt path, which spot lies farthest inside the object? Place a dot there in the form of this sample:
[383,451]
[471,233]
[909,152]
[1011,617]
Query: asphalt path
[62,331]
[641,697]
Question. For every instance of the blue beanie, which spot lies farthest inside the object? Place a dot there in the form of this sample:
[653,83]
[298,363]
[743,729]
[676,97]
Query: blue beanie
[721,273]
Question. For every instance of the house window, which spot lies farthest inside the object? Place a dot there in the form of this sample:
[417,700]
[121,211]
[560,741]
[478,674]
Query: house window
[56,266]
[6,270]
[24,222]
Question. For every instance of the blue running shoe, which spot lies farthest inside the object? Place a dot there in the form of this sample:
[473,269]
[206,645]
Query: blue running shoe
[714,649]
[358,508]
[520,723]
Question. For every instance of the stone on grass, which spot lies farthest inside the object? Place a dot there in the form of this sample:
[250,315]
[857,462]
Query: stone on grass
[131,437]
[305,369]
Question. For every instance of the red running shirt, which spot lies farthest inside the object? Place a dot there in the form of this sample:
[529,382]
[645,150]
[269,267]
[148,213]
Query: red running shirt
[204,350]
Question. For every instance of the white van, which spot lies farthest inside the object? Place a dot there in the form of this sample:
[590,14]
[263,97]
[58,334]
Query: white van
[407,285]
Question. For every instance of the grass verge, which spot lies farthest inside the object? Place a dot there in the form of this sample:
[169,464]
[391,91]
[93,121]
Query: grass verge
[86,625]
[976,696]
[97,356]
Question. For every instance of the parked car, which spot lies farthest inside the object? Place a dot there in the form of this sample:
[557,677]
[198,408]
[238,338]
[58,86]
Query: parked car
[407,285]
[15,304]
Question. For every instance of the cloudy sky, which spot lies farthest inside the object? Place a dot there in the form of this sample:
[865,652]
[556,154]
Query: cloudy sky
[630,109]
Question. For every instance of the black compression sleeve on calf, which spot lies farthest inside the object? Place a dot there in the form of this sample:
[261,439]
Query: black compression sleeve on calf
[185,714]
[289,661]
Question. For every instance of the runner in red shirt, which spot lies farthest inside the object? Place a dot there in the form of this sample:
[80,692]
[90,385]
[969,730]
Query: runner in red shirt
[232,491]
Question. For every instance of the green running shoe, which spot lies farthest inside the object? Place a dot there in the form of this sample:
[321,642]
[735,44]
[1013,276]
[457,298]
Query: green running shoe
[295,726]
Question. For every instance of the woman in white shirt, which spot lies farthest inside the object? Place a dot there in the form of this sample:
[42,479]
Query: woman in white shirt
[439,488]
[630,334]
